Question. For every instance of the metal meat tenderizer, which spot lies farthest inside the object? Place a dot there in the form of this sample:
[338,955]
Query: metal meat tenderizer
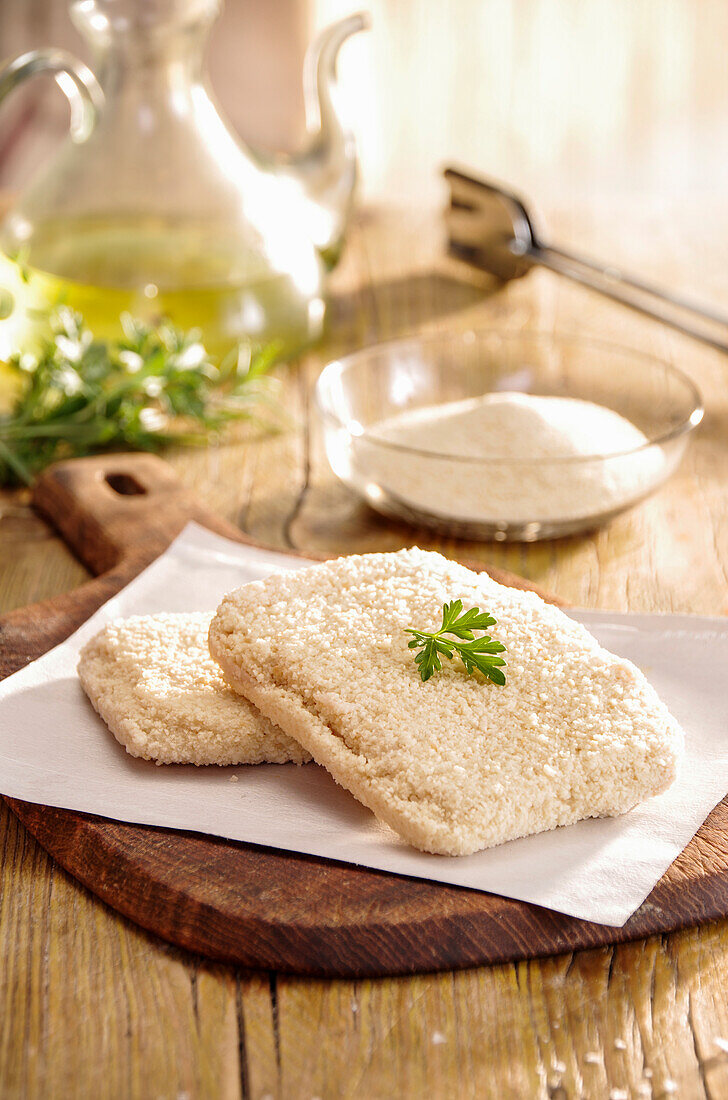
[492,229]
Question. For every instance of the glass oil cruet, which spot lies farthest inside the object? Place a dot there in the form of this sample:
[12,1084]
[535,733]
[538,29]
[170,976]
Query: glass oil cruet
[153,207]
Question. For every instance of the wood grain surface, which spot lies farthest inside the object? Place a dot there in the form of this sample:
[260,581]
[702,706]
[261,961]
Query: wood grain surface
[93,1006]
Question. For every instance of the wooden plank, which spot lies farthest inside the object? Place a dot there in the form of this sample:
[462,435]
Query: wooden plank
[33,558]
[91,1005]
[615,1022]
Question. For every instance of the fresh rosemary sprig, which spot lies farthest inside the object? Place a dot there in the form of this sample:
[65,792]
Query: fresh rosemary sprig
[476,653]
[152,387]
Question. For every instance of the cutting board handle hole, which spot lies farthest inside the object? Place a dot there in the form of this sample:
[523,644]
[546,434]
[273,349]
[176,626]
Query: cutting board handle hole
[125,485]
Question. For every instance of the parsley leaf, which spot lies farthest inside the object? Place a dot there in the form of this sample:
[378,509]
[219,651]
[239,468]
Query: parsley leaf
[476,653]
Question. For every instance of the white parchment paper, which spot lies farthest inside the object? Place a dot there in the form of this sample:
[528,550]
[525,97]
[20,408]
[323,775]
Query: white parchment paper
[55,750]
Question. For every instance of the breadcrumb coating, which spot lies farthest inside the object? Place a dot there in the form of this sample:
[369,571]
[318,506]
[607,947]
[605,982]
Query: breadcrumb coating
[152,680]
[456,764]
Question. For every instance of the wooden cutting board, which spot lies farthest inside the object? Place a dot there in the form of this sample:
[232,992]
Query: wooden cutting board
[259,907]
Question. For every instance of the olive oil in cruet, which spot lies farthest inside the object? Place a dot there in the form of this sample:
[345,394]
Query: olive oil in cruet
[152,206]
[184,272]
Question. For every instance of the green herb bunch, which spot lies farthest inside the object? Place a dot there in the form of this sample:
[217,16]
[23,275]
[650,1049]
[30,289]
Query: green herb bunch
[477,654]
[154,386]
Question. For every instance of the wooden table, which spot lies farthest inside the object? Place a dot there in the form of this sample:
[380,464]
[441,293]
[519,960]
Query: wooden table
[92,1006]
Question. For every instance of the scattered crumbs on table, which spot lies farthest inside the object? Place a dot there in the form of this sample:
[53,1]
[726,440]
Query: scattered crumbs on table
[619,1094]
[619,1044]
[233,779]
[593,1057]
[558,1066]
[647,1072]
[438,1038]
[721,1043]
[668,1085]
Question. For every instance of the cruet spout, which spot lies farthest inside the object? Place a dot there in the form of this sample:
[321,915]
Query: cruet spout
[323,173]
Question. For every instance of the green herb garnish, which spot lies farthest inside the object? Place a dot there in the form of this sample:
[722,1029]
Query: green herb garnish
[476,653]
[153,387]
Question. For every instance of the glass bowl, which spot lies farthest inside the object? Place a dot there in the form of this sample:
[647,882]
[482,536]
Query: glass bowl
[493,483]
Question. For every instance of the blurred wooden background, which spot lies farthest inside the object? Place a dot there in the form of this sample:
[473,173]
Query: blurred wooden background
[579,103]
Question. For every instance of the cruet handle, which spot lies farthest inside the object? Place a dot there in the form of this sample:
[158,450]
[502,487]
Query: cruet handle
[74,79]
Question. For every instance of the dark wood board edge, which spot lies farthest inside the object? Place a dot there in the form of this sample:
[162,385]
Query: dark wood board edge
[470,929]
